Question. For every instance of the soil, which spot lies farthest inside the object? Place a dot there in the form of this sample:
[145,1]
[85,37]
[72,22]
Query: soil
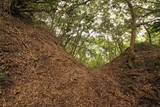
[39,73]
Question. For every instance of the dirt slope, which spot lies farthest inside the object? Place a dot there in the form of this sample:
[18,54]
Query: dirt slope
[139,85]
[40,74]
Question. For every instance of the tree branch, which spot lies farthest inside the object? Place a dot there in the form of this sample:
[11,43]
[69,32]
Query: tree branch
[147,22]
[77,5]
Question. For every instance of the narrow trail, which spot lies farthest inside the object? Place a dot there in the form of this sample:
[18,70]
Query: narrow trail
[41,74]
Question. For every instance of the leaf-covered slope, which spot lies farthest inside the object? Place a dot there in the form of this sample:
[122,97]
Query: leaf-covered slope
[39,73]
[140,84]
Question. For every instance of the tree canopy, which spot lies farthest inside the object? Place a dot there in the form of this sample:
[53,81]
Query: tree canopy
[94,31]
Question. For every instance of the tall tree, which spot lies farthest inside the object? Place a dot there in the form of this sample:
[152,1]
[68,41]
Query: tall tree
[133,25]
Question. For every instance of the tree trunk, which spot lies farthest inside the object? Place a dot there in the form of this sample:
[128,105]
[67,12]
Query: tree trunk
[149,35]
[131,54]
[133,26]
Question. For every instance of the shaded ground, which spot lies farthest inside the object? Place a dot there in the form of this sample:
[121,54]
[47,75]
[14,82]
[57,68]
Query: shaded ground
[38,73]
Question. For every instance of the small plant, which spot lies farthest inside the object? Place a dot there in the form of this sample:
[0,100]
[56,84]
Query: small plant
[2,74]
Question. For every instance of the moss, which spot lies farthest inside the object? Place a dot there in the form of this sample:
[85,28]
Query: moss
[2,74]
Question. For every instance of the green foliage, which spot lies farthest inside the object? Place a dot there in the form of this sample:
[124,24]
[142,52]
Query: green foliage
[39,22]
[155,32]
[155,27]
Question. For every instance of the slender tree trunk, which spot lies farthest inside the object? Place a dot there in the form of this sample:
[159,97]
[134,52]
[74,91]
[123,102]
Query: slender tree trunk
[131,55]
[77,41]
[133,25]
[149,35]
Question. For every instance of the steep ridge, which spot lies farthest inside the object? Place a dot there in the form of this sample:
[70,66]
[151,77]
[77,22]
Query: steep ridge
[40,74]
[139,85]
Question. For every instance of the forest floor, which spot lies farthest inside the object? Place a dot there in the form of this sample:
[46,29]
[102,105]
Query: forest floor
[37,72]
